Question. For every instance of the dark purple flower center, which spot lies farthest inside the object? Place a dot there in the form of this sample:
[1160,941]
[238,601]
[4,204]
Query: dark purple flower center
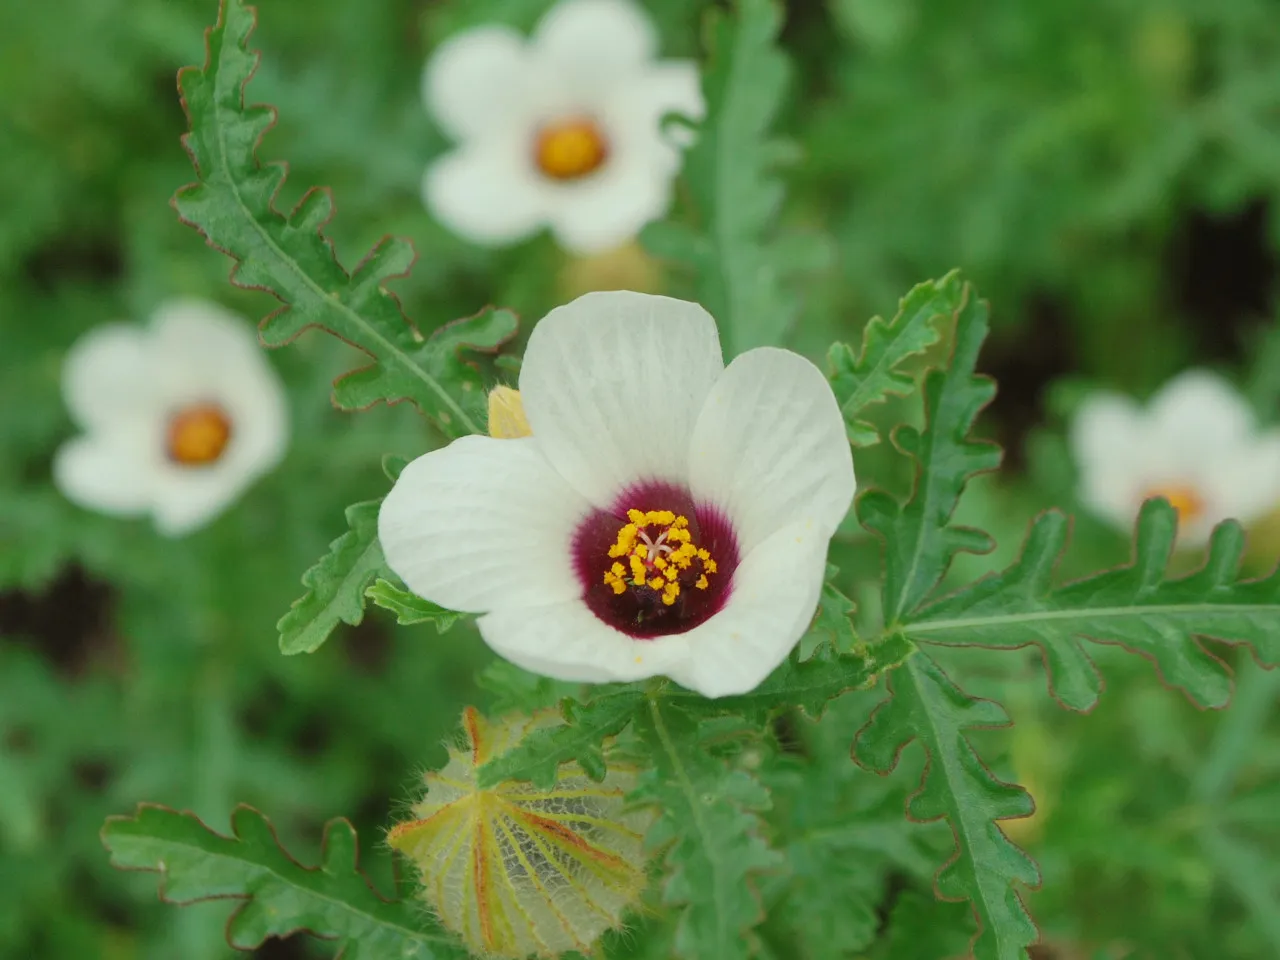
[655,563]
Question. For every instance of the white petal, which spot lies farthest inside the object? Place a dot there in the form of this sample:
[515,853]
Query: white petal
[198,347]
[482,525]
[775,592]
[188,498]
[612,384]
[1246,483]
[594,40]
[770,448]
[108,376]
[110,474]
[488,192]
[1111,445]
[473,82]
[610,208]
[1200,412]
[567,641]
[206,353]
[665,87]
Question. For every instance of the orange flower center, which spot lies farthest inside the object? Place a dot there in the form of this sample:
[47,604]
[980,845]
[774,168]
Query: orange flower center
[570,149]
[198,435]
[1184,499]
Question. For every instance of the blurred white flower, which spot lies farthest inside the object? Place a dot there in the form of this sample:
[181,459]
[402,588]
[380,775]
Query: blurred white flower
[1196,444]
[666,515]
[561,129]
[178,418]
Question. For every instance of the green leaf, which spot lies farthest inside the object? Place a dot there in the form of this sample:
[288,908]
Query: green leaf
[742,270]
[410,608]
[861,380]
[233,205]
[587,725]
[925,705]
[925,928]
[919,542]
[835,615]
[1133,606]
[334,901]
[809,684]
[842,831]
[708,816]
[336,584]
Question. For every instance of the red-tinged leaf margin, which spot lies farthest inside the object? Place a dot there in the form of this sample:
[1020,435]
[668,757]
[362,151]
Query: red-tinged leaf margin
[313,212]
[246,900]
[1067,663]
[884,516]
[959,853]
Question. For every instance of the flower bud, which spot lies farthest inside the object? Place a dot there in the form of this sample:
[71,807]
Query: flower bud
[517,869]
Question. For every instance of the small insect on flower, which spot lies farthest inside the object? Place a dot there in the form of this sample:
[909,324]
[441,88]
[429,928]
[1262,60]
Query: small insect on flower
[666,515]
[519,870]
[178,418]
[1196,444]
[561,129]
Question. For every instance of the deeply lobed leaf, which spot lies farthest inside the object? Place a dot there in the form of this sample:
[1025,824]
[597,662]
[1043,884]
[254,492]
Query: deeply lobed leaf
[811,683]
[332,901]
[233,205]
[866,378]
[920,542]
[410,608]
[1134,606]
[925,705]
[580,738]
[709,820]
[742,270]
[337,584]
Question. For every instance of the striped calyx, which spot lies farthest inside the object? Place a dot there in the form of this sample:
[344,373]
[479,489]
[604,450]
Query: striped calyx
[520,870]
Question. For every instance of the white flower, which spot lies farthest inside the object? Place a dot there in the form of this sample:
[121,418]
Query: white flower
[563,128]
[1196,444]
[178,418]
[668,515]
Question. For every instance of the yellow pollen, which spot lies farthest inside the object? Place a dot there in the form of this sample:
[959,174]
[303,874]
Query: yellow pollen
[1184,499]
[198,435]
[637,570]
[658,548]
[570,149]
[506,414]
[626,540]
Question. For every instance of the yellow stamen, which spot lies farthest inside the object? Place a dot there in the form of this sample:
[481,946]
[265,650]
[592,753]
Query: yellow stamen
[656,542]
[637,570]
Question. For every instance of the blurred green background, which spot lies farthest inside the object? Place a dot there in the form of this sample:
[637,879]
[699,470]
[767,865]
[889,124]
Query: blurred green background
[1106,171]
